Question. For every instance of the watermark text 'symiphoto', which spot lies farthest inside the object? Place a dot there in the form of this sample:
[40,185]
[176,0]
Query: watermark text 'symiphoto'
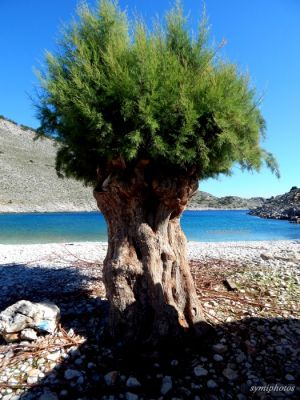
[273,388]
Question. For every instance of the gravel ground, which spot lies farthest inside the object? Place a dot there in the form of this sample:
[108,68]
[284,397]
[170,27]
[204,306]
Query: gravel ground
[64,253]
[250,293]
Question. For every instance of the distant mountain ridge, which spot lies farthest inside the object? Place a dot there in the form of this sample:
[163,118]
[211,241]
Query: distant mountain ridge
[285,206]
[29,182]
[207,200]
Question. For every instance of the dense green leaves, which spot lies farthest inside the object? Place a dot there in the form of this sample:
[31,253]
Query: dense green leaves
[158,94]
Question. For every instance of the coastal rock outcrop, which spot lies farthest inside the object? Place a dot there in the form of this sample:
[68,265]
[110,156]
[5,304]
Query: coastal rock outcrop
[286,206]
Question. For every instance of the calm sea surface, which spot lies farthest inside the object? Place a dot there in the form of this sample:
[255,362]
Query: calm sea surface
[202,226]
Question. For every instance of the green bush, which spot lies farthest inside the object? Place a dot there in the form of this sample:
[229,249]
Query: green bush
[116,89]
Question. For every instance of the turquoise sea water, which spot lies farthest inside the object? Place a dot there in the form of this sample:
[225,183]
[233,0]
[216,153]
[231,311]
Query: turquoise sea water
[202,226]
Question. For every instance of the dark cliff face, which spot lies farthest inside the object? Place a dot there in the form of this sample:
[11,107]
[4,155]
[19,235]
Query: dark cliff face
[285,206]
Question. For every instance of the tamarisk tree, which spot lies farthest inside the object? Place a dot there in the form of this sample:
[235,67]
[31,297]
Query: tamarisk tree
[142,115]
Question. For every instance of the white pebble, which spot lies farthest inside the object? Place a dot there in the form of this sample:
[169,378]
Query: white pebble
[200,371]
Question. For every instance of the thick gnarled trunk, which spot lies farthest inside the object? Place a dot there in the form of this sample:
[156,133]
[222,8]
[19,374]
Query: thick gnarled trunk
[146,272]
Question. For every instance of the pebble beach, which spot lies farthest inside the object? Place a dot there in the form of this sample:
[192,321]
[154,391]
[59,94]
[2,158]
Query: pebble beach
[58,253]
[250,294]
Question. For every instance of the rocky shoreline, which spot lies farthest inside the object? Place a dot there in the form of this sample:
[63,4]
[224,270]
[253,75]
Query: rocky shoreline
[250,293]
[286,206]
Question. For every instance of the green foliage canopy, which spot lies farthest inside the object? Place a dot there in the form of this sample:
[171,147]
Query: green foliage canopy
[113,92]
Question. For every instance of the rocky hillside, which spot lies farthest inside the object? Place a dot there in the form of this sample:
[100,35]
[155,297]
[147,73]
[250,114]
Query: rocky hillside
[29,182]
[206,200]
[28,178]
[285,206]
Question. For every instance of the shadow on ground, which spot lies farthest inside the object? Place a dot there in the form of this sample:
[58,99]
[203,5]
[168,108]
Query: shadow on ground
[240,360]
[251,360]
[38,283]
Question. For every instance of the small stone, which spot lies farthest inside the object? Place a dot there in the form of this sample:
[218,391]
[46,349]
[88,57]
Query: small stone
[185,392]
[71,374]
[10,354]
[131,396]
[63,393]
[267,256]
[132,382]
[289,377]
[167,385]
[200,371]
[33,372]
[13,381]
[230,284]
[3,378]
[220,348]
[74,352]
[211,384]
[71,332]
[80,380]
[96,377]
[32,379]
[174,363]
[195,387]
[230,374]
[47,395]
[110,378]
[240,357]
[78,361]
[217,357]
[28,334]
[11,337]
[54,356]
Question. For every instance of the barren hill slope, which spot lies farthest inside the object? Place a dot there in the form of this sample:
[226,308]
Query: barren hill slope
[28,180]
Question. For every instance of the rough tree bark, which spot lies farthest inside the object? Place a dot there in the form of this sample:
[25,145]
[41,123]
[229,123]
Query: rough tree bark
[146,273]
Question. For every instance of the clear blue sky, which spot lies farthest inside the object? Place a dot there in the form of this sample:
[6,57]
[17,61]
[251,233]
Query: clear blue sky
[263,38]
